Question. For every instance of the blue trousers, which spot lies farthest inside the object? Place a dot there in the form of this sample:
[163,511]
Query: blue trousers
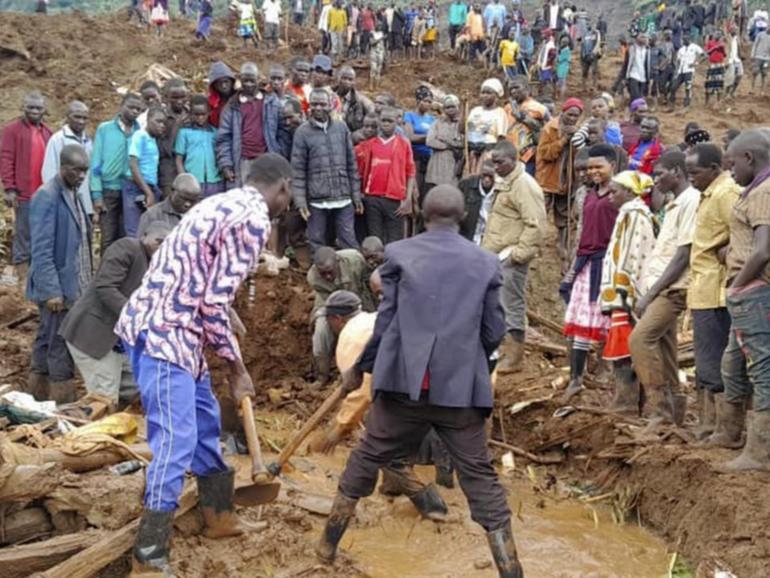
[746,360]
[183,426]
[131,211]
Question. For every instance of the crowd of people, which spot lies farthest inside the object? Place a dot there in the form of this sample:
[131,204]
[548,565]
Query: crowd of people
[189,191]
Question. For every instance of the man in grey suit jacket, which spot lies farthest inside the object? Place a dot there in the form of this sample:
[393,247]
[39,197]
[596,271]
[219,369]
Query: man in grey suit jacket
[439,320]
[89,327]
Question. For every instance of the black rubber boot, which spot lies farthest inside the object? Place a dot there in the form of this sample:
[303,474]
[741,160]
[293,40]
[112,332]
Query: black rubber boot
[151,548]
[504,552]
[343,509]
[215,495]
[730,423]
[430,504]
[626,399]
[756,452]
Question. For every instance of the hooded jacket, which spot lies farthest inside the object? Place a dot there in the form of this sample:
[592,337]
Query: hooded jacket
[216,102]
[230,132]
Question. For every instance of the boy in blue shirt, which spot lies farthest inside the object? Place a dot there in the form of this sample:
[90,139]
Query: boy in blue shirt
[141,188]
[194,148]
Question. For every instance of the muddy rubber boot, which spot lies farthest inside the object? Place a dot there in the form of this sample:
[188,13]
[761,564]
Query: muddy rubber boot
[343,509]
[430,504]
[707,415]
[731,420]
[62,392]
[626,399]
[574,388]
[756,452]
[511,355]
[445,477]
[37,386]
[504,552]
[151,547]
[215,496]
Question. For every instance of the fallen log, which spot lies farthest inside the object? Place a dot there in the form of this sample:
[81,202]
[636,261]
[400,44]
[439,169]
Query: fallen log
[24,525]
[27,482]
[547,347]
[112,546]
[35,456]
[538,319]
[20,561]
[545,460]
[29,316]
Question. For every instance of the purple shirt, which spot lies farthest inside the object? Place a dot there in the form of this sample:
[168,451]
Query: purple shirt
[252,129]
[598,221]
[184,301]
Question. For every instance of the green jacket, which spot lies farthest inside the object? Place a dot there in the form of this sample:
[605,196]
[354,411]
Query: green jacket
[353,276]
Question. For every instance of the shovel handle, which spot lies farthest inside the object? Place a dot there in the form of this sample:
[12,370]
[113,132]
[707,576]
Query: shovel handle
[289,449]
[259,473]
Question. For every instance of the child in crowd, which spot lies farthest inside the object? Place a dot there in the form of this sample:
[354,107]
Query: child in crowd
[509,55]
[376,56]
[194,148]
[159,16]
[247,23]
[486,124]
[141,190]
[562,65]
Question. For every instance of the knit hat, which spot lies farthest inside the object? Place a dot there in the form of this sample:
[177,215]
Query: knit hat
[494,85]
[638,183]
[637,104]
[342,303]
[573,103]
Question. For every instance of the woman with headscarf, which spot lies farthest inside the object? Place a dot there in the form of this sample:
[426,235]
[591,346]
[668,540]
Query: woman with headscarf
[417,123]
[445,138]
[632,239]
[486,124]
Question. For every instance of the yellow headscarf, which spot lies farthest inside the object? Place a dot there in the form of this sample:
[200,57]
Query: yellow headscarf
[638,183]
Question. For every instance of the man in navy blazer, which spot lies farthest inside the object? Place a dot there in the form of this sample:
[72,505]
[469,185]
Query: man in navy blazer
[60,269]
[439,320]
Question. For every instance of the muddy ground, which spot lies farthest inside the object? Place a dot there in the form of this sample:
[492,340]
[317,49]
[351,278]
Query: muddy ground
[667,486]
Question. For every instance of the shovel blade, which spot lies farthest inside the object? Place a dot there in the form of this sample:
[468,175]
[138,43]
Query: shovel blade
[257,494]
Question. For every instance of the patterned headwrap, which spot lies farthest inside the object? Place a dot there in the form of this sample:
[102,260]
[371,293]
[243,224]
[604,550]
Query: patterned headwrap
[422,93]
[638,183]
[450,100]
[697,136]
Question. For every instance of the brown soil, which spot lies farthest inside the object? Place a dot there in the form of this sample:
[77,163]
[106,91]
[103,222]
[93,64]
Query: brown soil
[672,487]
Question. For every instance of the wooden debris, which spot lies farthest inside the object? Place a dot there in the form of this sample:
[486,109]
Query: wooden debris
[547,347]
[21,320]
[27,482]
[112,546]
[20,561]
[24,525]
[538,319]
[545,460]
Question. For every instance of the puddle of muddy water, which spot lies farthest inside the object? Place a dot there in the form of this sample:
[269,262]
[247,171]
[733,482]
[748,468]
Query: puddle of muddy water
[560,539]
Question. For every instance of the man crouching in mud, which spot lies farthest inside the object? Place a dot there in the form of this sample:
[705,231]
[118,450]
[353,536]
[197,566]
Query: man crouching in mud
[439,320]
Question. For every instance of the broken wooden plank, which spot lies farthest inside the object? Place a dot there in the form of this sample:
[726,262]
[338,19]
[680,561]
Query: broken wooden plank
[538,319]
[21,320]
[547,347]
[88,562]
[28,482]
[20,561]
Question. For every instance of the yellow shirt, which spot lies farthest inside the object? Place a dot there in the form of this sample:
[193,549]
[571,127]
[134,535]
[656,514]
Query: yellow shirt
[677,231]
[475,24]
[509,52]
[350,343]
[708,276]
[338,20]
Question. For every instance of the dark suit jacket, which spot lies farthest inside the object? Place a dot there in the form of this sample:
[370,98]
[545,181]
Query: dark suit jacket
[440,313]
[89,324]
[55,244]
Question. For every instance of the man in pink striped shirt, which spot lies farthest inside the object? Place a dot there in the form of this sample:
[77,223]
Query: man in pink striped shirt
[182,307]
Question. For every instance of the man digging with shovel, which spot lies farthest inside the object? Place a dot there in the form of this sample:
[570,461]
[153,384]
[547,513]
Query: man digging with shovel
[182,307]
